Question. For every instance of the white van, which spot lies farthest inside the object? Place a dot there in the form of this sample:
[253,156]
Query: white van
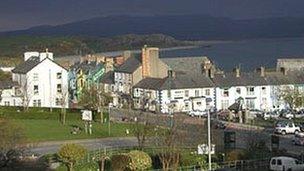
[285,164]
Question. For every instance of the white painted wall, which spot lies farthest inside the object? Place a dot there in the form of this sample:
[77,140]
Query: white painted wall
[44,75]
[8,98]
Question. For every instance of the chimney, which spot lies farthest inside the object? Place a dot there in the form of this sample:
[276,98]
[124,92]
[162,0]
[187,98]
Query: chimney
[237,71]
[208,69]
[262,71]
[283,71]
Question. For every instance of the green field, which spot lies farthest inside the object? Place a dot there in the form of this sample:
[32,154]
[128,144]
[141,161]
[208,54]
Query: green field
[39,124]
[50,130]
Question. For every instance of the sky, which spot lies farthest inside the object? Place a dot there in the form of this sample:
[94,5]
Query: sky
[21,14]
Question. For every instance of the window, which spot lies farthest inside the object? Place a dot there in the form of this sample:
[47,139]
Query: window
[59,75]
[264,90]
[226,92]
[169,94]
[273,161]
[57,102]
[186,93]
[238,90]
[250,90]
[35,103]
[225,104]
[35,76]
[197,94]
[198,103]
[6,103]
[39,103]
[250,103]
[279,162]
[207,92]
[36,89]
[59,88]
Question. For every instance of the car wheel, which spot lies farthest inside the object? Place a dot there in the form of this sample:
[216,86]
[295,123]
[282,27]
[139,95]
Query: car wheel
[283,132]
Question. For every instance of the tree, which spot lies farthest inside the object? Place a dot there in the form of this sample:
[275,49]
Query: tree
[63,100]
[293,97]
[70,154]
[26,94]
[141,130]
[170,140]
[94,98]
[12,138]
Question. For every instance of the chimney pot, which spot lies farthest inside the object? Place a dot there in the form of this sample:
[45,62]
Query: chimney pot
[237,72]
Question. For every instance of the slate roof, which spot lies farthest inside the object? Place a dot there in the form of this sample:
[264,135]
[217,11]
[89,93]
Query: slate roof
[7,84]
[108,78]
[181,81]
[150,83]
[254,79]
[245,79]
[130,65]
[278,78]
[27,65]
[185,64]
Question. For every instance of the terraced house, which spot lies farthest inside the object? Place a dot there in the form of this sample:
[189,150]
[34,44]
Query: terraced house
[84,74]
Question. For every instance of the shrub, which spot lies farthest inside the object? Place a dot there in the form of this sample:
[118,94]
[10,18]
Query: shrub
[139,160]
[235,155]
[70,154]
[120,162]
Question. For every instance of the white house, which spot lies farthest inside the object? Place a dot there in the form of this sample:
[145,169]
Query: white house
[42,82]
[9,94]
[175,93]
[258,90]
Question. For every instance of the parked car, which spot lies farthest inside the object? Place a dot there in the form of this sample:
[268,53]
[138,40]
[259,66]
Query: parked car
[283,163]
[299,139]
[199,113]
[300,114]
[286,127]
[255,113]
[288,115]
[269,115]
[301,125]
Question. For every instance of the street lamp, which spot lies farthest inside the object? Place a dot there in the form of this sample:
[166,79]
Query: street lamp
[208,107]
[109,120]
[209,141]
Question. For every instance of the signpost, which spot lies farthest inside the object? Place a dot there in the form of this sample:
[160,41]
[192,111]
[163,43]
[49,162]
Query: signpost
[204,149]
[87,118]
[109,119]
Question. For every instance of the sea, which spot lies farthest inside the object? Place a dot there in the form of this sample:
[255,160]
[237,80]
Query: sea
[248,54]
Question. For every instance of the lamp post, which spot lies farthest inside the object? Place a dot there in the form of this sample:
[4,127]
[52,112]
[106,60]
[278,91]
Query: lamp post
[109,120]
[209,141]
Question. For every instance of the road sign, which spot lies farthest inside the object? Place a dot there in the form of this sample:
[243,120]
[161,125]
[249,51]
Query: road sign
[87,115]
[203,149]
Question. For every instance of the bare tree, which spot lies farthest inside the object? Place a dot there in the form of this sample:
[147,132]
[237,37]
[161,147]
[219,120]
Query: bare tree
[170,141]
[26,94]
[63,100]
[142,130]
[94,98]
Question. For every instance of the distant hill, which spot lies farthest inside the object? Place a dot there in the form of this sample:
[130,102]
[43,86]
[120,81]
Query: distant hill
[13,47]
[183,27]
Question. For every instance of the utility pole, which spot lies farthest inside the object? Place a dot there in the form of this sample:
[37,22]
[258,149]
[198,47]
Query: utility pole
[209,142]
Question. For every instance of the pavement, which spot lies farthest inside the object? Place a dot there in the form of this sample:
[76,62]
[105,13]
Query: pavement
[42,148]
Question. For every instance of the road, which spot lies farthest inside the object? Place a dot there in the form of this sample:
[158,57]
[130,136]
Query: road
[91,144]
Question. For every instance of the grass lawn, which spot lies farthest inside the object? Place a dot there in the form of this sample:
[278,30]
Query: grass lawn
[49,130]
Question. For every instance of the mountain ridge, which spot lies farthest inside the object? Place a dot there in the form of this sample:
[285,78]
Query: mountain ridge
[182,27]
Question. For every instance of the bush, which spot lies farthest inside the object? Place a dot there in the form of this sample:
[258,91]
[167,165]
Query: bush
[235,155]
[120,162]
[139,160]
[70,154]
